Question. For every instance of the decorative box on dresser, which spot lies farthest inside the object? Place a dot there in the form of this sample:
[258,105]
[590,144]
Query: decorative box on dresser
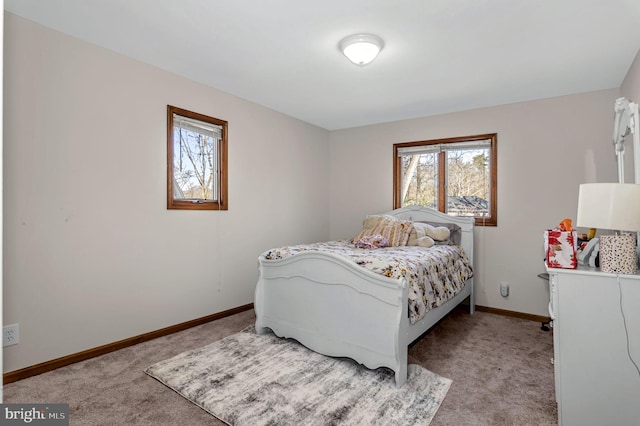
[596,337]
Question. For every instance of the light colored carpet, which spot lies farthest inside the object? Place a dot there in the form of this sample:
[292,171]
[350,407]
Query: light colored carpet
[247,379]
[500,366]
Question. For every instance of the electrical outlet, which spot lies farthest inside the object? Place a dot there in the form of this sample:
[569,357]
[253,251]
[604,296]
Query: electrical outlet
[10,335]
[504,289]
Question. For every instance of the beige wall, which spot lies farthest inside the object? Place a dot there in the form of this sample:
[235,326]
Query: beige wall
[1,171]
[546,149]
[91,254]
[631,85]
[630,89]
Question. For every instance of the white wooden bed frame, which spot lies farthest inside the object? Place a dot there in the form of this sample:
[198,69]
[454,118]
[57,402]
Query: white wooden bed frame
[337,308]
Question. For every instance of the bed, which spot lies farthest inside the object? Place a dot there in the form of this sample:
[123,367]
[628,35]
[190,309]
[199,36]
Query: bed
[339,308]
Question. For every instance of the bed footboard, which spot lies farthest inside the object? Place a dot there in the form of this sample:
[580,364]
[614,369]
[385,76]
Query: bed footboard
[336,308]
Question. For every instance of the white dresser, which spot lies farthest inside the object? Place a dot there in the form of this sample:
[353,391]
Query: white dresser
[596,380]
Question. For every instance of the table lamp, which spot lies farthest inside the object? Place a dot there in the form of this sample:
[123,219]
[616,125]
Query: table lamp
[612,206]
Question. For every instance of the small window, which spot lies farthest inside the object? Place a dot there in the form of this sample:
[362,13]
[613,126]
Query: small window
[196,161]
[457,176]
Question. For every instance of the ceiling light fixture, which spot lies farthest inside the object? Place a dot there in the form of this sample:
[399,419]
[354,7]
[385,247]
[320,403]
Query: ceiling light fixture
[361,49]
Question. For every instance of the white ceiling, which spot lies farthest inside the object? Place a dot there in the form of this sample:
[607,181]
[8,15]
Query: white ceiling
[440,55]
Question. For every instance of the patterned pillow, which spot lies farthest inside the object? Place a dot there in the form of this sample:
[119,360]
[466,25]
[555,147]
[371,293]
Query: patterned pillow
[373,220]
[396,231]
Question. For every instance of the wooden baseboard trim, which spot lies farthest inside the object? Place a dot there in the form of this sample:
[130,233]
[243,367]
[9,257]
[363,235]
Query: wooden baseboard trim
[522,315]
[34,370]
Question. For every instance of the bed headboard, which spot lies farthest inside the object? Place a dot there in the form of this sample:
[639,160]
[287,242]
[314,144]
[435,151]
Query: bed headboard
[420,213]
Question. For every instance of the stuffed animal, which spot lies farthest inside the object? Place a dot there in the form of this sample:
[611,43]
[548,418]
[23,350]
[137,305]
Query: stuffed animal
[425,235]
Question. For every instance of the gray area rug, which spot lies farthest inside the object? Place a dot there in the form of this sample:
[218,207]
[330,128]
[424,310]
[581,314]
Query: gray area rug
[247,379]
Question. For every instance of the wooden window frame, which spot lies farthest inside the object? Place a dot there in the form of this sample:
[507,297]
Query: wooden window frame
[492,219]
[222,203]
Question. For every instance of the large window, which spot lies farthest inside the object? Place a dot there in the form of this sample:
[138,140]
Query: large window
[196,161]
[457,176]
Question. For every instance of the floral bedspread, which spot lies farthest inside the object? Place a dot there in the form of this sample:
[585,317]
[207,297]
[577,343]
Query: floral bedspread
[434,275]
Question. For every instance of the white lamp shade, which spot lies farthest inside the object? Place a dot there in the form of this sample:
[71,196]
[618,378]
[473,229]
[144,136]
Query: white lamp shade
[361,49]
[614,206]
